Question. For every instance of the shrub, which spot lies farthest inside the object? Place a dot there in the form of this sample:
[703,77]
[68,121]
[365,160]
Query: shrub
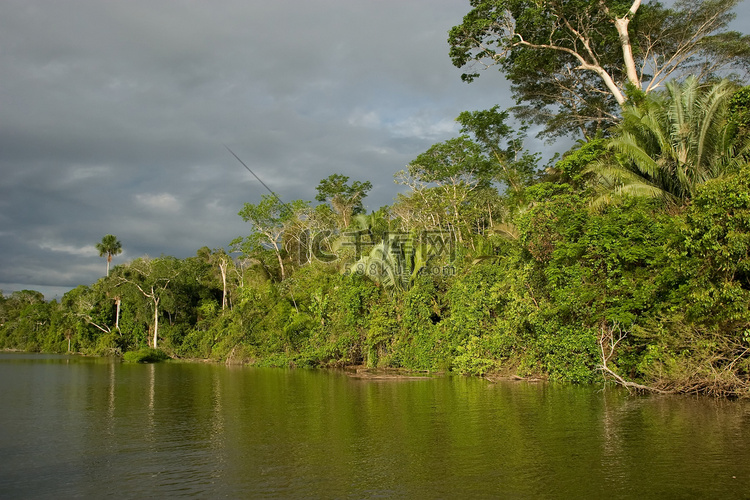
[145,355]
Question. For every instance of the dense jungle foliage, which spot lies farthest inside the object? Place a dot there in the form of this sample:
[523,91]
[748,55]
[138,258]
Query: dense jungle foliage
[628,258]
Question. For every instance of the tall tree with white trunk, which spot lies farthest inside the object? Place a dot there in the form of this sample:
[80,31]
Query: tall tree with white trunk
[152,278]
[269,219]
[570,62]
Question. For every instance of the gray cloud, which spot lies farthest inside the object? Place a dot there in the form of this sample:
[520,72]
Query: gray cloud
[114,116]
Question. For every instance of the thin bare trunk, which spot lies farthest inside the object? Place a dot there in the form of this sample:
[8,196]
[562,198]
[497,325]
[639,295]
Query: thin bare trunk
[223,268]
[281,262]
[117,314]
[156,320]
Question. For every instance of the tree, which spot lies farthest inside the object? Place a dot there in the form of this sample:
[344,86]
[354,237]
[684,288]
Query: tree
[397,261]
[109,246]
[310,233]
[269,218]
[670,143]
[218,259]
[419,209]
[346,199]
[445,176]
[82,303]
[571,61]
[24,298]
[739,111]
[503,144]
[715,251]
[151,277]
[24,318]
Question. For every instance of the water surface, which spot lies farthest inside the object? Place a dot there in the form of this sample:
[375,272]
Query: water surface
[83,427]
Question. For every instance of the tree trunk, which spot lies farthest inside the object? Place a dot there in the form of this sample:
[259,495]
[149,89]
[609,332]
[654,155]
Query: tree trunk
[156,321]
[281,262]
[627,50]
[223,268]
[621,25]
[117,314]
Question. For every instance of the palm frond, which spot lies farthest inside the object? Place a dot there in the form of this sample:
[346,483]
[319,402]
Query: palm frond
[671,143]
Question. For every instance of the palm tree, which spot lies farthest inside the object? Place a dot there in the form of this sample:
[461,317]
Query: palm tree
[109,246]
[396,262]
[670,143]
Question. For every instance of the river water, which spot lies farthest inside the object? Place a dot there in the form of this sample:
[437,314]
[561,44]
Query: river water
[82,427]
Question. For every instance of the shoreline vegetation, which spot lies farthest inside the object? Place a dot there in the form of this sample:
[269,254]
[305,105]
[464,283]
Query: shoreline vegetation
[650,296]
[459,277]
[626,259]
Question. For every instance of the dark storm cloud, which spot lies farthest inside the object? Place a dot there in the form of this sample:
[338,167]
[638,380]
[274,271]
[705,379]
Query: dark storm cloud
[114,115]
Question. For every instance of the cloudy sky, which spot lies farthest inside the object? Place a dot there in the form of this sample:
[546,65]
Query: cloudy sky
[114,114]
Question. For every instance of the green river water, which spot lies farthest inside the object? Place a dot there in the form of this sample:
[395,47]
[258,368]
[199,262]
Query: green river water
[95,428]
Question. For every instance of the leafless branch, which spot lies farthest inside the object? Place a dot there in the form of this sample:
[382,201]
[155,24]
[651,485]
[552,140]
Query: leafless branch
[609,338]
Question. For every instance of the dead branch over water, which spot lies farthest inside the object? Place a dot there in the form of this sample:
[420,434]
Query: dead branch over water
[715,375]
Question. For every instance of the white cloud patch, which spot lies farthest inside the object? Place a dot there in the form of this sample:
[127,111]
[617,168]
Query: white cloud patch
[421,124]
[361,118]
[85,172]
[160,201]
[84,251]
[424,127]
[377,150]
